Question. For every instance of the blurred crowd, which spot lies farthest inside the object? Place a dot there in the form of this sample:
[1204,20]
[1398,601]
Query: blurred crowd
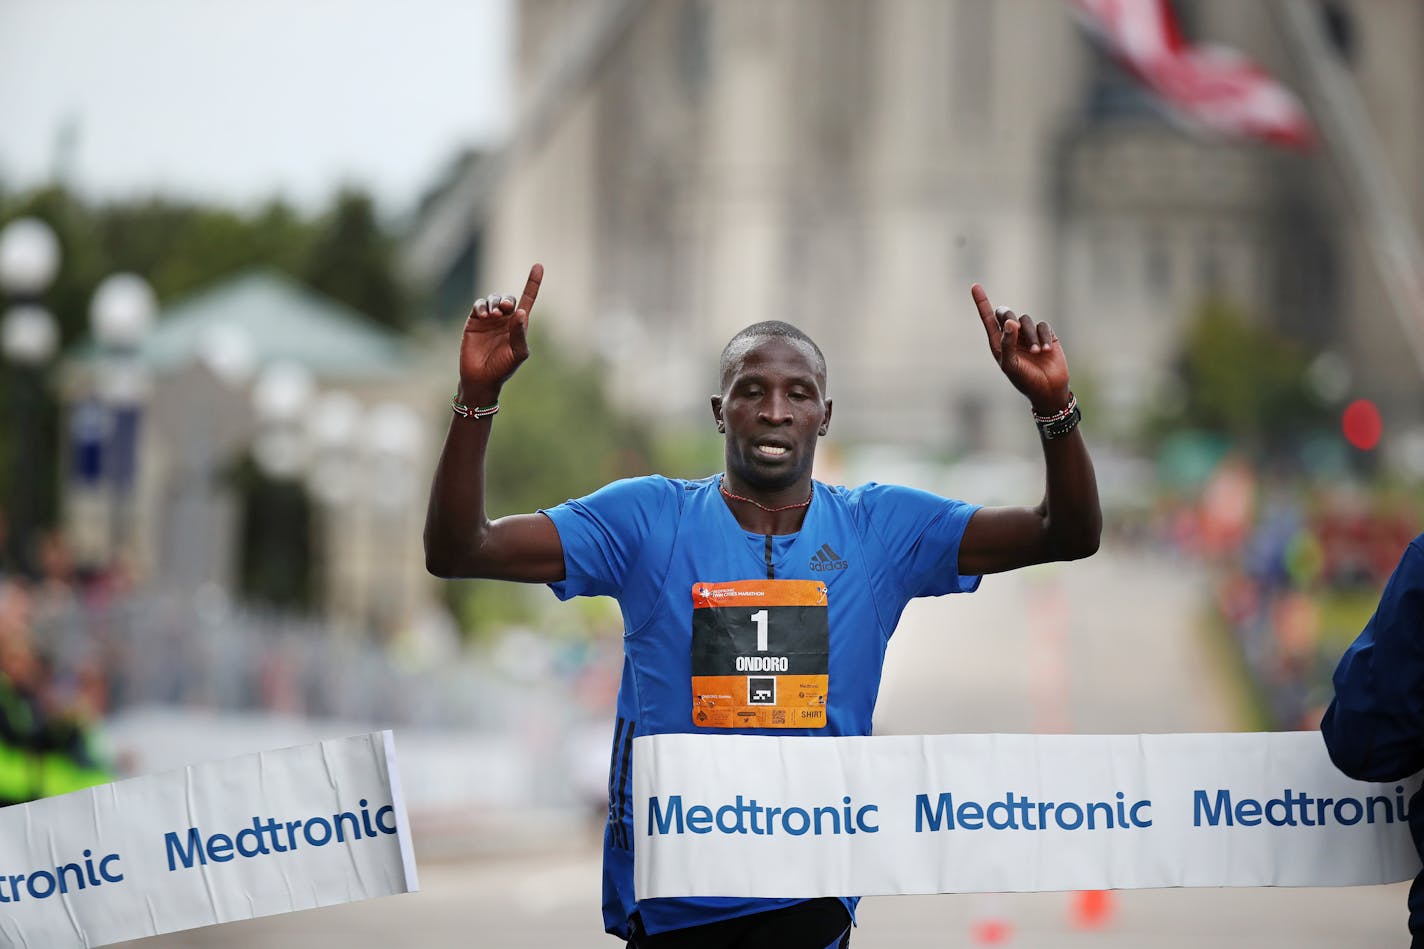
[1297,574]
[50,702]
[82,652]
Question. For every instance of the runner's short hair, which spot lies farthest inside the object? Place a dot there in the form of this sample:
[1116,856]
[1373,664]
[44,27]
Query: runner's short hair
[765,328]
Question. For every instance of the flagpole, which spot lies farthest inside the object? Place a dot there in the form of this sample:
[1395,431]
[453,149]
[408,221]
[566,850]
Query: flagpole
[1376,198]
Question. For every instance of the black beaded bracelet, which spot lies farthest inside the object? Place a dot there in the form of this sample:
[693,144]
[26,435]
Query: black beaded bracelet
[1060,425]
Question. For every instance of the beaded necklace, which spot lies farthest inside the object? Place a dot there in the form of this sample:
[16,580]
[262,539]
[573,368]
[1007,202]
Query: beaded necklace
[722,484]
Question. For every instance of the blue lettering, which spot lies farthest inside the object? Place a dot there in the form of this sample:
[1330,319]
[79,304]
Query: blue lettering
[1007,822]
[1201,807]
[390,811]
[30,884]
[786,821]
[734,811]
[1359,811]
[1137,821]
[341,828]
[1277,803]
[861,821]
[255,832]
[78,875]
[104,869]
[366,819]
[220,848]
[326,831]
[89,866]
[175,849]
[1248,812]
[943,813]
[699,819]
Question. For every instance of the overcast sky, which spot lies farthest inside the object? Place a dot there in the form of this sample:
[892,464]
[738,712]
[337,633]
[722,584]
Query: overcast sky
[238,100]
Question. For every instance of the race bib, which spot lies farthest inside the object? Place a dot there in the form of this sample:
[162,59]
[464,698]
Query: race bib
[760,654]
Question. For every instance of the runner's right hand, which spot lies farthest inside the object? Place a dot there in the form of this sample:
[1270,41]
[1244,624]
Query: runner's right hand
[495,341]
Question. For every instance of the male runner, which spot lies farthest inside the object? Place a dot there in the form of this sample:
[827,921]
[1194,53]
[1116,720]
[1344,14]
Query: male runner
[757,600]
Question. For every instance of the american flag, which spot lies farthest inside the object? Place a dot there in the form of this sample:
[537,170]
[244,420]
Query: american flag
[1212,87]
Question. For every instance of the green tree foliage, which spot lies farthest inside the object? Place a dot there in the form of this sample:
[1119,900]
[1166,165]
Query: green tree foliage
[558,435]
[181,247]
[350,260]
[1243,381]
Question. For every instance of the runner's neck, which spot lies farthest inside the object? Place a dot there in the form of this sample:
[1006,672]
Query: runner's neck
[769,516]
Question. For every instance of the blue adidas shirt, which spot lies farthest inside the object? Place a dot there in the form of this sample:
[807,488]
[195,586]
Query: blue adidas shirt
[655,544]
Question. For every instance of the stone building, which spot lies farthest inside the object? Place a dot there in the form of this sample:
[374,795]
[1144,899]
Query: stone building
[684,168]
[275,439]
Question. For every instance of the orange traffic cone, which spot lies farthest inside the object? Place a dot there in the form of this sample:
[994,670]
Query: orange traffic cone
[989,924]
[1093,909]
[991,932]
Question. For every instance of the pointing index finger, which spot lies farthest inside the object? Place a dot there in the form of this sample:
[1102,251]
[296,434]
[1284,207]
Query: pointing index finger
[531,288]
[988,317]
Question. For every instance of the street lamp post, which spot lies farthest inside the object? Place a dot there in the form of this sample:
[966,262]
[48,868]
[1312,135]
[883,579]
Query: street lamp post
[278,517]
[121,313]
[393,444]
[29,260]
[334,480]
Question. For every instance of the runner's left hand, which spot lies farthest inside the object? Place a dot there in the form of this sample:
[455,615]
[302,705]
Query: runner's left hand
[1028,352]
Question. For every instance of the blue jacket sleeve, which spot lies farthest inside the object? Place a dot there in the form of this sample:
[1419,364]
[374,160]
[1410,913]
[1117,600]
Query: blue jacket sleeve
[1374,727]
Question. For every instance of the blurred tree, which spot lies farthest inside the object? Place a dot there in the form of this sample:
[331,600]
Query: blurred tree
[1242,381]
[181,247]
[351,261]
[562,437]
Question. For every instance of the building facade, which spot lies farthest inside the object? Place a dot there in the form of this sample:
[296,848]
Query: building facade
[853,167]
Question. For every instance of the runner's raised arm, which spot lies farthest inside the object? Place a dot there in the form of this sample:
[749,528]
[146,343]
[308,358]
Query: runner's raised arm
[460,539]
[1068,523]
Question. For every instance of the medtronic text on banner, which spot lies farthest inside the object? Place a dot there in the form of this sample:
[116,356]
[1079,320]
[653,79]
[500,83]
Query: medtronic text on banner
[804,817]
[253,836]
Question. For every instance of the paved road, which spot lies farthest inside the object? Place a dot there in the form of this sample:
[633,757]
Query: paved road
[1108,645]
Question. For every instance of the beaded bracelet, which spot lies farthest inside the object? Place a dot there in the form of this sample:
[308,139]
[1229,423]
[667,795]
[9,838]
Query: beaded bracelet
[1060,423]
[466,411]
[1063,413]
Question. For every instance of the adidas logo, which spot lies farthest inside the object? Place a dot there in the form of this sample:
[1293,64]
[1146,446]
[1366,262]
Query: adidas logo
[827,559]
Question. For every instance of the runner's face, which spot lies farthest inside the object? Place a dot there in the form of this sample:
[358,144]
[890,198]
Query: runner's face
[772,408]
